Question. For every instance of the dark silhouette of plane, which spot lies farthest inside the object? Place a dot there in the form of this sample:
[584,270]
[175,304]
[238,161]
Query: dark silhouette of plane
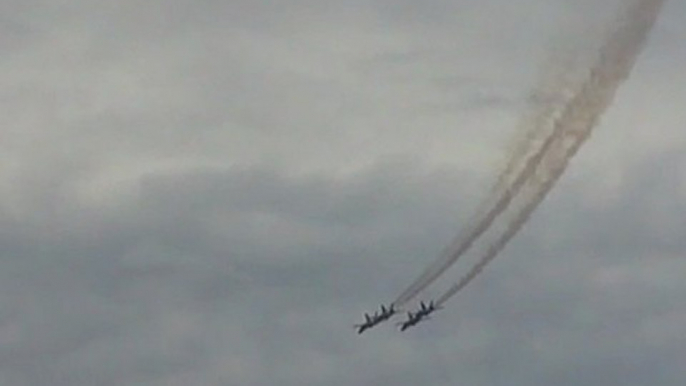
[412,319]
[387,313]
[371,321]
[421,314]
[425,310]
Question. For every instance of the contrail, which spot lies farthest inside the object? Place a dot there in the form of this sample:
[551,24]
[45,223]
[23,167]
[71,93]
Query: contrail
[465,240]
[521,217]
[495,205]
[553,92]
[604,78]
[578,120]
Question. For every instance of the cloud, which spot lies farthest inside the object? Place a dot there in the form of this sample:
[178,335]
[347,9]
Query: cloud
[212,193]
[261,273]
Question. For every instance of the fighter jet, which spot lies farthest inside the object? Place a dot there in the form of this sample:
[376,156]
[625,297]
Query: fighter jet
[421,314]
[370,321]
[387,313]
[425,310]
[412,319]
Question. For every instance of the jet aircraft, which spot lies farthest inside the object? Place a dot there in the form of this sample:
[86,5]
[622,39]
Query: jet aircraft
[421,314]
[371,321]
[387,313]
[412,319]
[425,310]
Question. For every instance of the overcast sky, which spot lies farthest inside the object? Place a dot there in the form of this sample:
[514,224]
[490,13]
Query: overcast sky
[212,193]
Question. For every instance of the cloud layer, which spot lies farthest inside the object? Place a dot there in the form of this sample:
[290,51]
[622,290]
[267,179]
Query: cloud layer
[212,193]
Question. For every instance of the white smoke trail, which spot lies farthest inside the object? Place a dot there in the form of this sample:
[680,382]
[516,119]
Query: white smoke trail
[552,93]
[578,120]
[465,240]
[568,58]
[510,182]
[609,57]
[520,218]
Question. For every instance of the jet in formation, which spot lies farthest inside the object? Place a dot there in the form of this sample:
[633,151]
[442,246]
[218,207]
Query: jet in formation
[373,320]
[421,314]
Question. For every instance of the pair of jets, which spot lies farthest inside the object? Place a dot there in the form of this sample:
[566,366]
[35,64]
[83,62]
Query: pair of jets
[386,313]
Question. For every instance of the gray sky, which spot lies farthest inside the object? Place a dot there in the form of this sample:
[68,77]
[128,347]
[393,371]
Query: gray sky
[211,193]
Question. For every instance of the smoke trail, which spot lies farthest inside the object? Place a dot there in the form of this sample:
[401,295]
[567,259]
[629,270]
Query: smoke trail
[508,186]
[580,117]
[559,80]
[465,240]
[615,61]
[554,89]
[553,92]
[514,226]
